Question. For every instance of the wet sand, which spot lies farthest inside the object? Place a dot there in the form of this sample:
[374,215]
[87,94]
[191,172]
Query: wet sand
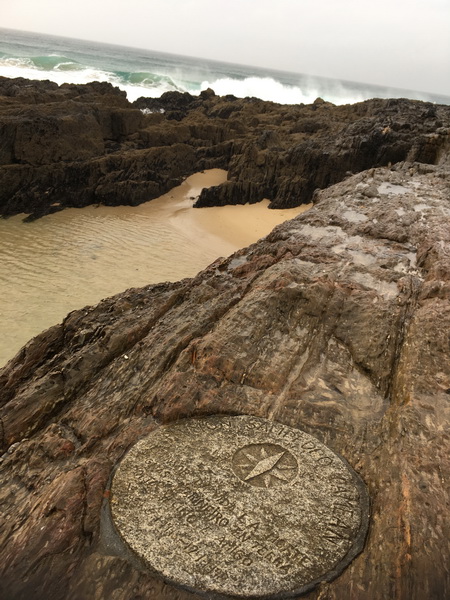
[77,257]
[239,225]
[228,228]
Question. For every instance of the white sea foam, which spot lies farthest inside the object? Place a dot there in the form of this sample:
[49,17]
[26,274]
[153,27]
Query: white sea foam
[60,69]
[258,87]
[136,91]
[23,67]
[267,88]
[15,67]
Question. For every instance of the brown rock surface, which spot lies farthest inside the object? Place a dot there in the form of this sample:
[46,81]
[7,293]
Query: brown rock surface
[337,323]
[76,145]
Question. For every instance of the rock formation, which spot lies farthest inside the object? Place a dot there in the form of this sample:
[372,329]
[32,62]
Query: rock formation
[338,323]
[76,145]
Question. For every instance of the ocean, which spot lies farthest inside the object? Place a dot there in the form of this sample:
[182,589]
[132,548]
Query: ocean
[149,73]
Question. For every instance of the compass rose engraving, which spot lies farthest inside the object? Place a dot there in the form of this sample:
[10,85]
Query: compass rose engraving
[265,465]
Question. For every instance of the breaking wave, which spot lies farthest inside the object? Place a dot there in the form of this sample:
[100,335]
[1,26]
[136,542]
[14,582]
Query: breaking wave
[268,88]
[63,70]
[54,62]
[146,83]
[172,73]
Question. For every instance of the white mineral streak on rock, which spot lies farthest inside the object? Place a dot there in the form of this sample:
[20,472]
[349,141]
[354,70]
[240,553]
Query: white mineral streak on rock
[354,217]
[389,188]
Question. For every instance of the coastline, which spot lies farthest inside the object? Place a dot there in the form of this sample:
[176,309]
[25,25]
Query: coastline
[111,167]
[78,257]
[135,153]
[337,324]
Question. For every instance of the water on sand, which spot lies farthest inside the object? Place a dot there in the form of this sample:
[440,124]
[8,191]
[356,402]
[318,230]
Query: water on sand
[78,256]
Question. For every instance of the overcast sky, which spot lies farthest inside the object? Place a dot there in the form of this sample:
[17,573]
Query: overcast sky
[400,43]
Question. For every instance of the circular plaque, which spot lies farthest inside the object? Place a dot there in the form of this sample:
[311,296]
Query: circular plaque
[239,506]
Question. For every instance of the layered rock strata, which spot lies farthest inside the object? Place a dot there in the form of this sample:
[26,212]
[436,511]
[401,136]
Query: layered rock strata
[76,145]
[337,323]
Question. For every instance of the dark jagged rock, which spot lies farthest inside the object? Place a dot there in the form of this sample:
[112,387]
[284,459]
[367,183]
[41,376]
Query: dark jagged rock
[175,104]
[337,323]
[78,145]
[75,145]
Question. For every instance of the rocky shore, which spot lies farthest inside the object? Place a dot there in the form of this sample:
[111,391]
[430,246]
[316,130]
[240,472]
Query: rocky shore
[337,323]
[75,145]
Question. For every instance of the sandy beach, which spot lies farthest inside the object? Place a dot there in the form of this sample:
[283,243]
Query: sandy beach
[76,257]
[228,228]
[240,226]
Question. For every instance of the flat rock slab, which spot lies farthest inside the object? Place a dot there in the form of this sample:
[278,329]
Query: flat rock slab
[239,506]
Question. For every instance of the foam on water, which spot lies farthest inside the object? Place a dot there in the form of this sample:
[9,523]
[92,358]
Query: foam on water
[148,84]
[66,71]
[267,88]
[23,67]
[148,73]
